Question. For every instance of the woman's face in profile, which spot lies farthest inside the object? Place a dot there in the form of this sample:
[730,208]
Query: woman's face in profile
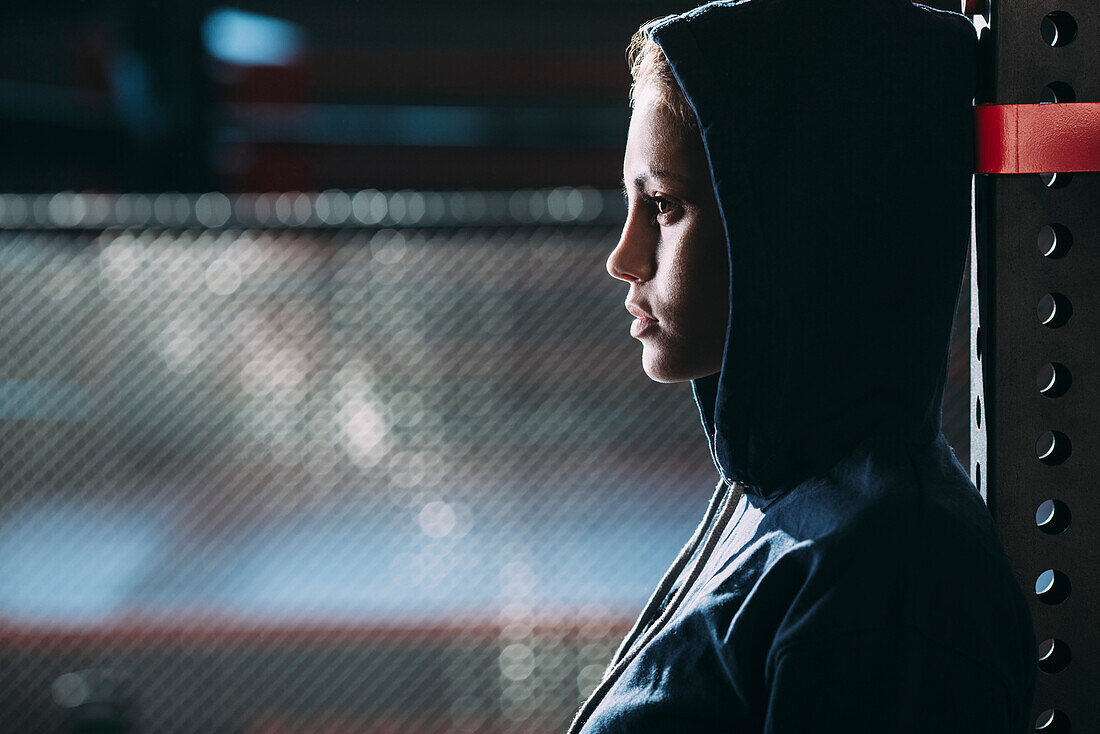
[672,249]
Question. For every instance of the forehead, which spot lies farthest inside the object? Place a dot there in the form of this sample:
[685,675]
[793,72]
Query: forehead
[654,141]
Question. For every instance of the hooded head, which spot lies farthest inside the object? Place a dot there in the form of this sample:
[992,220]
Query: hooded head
[838,140]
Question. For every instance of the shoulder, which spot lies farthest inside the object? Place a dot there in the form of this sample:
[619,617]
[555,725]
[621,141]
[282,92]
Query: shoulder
[888,682]
[894,550]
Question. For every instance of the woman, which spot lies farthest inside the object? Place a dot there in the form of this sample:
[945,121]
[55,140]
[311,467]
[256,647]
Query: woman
[798,184]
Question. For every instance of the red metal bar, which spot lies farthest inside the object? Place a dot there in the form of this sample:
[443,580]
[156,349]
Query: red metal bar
[975,7]
[1037,138]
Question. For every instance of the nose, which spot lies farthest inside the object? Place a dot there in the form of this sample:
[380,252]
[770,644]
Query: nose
[632,260]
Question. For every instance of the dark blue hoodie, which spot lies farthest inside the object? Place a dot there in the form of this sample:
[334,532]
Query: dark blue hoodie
[847,575]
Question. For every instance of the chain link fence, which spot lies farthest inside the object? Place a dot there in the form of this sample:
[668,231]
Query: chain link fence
[342,462]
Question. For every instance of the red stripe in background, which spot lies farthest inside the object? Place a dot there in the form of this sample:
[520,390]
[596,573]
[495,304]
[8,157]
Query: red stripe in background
[212,631]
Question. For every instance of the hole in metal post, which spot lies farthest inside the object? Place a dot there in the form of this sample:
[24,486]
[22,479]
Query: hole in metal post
[1054,656]
[1052,517]
[1054,240]
[1052,586]
[1056,180]
[1053,379]
[1053,448]
[1054,310]
[1058,28]
[1057,92]
[978,412]
[1052,721]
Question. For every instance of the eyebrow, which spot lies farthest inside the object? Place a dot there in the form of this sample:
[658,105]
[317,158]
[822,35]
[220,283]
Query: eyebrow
[641,178]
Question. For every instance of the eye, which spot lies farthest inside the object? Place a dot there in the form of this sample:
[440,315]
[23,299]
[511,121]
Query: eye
[662,209]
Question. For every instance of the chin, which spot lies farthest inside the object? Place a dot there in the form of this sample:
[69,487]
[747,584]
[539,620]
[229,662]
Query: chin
[658,377]
[659,368]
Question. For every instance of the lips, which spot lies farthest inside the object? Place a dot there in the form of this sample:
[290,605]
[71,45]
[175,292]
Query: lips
[639,312]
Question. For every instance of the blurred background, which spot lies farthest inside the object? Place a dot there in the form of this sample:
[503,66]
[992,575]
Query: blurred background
[318,410]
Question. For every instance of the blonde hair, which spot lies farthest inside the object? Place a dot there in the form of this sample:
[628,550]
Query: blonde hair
[648,65]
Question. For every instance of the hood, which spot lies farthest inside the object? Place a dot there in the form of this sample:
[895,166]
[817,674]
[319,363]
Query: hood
[840,142]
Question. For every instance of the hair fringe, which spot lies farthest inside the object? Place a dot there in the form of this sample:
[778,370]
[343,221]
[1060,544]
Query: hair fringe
[648,64]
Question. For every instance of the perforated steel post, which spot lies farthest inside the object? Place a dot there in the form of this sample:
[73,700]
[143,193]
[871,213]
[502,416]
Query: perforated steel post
[1035,324]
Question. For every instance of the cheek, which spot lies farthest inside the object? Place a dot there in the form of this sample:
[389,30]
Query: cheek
[700,281]
[677,275]
[711,265]
[702,264]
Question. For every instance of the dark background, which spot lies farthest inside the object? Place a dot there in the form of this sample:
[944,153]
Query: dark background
[166,96]
[349,436]
[163,96]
